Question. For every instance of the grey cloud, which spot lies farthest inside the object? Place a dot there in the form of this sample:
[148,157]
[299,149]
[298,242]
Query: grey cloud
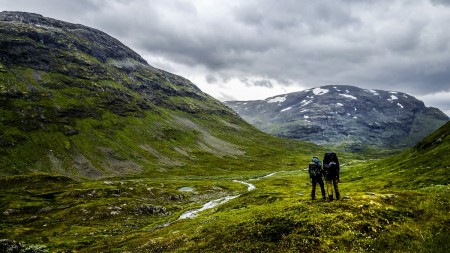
[211,79]
[285,82]
[263,83]
[374,44]
[226,97]
[441,2]
[65,10]
[245,80]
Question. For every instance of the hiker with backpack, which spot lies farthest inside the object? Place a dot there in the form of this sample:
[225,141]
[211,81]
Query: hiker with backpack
[331,174]
[315,173]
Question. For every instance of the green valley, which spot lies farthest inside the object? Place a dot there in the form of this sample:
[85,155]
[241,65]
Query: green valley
[387,206]
[101,152]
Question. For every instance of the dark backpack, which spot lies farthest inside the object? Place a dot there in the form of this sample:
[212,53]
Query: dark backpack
[331,165]
[314,170]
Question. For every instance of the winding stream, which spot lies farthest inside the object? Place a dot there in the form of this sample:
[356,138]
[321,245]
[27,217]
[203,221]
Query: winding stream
[213,203]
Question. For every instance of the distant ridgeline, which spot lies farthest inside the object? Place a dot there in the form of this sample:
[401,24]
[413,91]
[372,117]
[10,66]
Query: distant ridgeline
[344,116]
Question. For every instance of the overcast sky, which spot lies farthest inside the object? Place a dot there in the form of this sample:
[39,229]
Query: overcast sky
[254,49]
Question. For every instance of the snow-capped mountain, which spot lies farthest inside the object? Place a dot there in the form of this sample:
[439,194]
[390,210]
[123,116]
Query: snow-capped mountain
[344,116]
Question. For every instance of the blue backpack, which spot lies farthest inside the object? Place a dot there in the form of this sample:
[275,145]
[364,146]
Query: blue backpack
[315,168]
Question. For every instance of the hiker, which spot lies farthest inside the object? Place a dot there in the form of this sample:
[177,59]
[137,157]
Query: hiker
[315,173]
[331,174]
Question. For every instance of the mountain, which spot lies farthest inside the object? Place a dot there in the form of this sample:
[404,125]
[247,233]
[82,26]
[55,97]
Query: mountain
[344,116]
[76,102]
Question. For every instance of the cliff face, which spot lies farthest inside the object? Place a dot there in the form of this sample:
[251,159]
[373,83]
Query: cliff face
[75,101]
[344,116]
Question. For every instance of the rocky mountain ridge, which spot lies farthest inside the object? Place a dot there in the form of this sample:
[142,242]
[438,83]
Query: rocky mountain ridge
[76,102]
[345,116]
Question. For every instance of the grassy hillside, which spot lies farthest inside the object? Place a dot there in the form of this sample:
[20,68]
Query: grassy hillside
[424,165]
[383,209]
[76,102]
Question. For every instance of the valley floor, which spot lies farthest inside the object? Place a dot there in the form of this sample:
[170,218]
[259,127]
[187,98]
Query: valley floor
[141,215]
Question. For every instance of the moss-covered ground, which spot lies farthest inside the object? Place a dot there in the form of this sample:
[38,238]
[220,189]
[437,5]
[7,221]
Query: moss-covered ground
[395,204]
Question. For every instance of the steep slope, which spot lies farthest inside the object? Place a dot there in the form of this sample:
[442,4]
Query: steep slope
[424,165]
[75,101]
[345,116]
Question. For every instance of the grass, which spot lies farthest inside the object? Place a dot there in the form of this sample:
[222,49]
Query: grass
[383,209]
[124,214]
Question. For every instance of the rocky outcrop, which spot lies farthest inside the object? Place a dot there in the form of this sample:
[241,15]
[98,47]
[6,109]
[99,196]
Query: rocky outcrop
[345,116]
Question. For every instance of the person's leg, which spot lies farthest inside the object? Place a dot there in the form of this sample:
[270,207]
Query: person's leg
[329,189]
[322,188]
[336,188]
[313,191]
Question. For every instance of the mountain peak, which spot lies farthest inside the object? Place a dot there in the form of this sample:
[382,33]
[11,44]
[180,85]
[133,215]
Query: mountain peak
[344,115]
[56,33]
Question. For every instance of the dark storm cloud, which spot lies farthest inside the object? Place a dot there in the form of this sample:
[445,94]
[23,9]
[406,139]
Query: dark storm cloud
[387,44]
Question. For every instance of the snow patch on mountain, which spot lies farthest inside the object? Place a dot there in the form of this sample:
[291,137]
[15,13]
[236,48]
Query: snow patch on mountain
[305,102]
[393,97]
[348,114]
[348,96]
[277,100]
[374,92]
[320,91]
[286,109]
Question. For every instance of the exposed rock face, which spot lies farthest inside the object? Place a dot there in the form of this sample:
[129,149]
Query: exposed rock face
[344,115]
